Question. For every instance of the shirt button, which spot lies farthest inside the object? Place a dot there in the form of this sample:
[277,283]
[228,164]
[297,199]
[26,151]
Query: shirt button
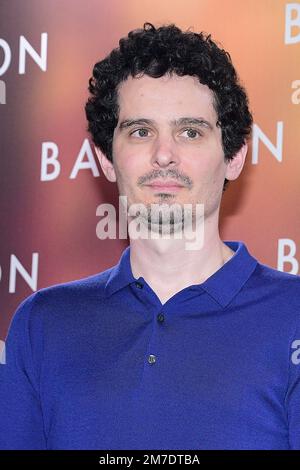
[160,317]
[151,359]
[138,285]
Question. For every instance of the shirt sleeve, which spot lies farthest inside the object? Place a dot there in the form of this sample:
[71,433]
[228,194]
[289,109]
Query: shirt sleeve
[21,419]
[293,392]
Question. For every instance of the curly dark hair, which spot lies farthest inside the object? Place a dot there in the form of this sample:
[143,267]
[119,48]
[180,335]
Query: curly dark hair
[156,52]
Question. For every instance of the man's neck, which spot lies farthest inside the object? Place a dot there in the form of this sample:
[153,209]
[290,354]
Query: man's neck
[168,267]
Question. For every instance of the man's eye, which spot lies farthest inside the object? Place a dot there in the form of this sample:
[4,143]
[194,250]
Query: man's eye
[141,132]
[192,133]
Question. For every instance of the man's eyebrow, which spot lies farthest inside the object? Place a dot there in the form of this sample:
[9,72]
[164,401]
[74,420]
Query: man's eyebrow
[184,121]
[199,121]
[132,122]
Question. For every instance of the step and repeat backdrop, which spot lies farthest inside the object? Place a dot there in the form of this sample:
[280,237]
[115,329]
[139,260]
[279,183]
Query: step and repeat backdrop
[50,181]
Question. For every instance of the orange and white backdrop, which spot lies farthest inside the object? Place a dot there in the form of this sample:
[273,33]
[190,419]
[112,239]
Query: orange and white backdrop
[50,181]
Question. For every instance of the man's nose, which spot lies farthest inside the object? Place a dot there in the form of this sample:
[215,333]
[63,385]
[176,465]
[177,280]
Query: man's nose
[164,152]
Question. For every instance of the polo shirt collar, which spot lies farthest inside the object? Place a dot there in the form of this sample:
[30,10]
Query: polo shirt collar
[222,286]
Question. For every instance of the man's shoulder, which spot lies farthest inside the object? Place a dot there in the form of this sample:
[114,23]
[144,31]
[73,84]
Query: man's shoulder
[277,285]
[81,288]
[269,275]
[94,282]
[57,306]
[73,296]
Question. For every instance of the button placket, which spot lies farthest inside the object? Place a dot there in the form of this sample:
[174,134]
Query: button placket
[155,338]
[152,356]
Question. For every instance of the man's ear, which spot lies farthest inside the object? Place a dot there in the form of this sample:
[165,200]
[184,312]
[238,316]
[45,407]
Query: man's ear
[235,166]
[106,165]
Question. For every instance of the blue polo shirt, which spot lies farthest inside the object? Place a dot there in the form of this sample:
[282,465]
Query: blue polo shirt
[101,363]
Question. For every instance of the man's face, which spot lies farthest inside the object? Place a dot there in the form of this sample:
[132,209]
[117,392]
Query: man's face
[175,139]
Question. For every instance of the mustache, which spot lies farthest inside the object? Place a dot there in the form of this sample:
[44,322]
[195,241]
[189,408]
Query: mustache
[169,174]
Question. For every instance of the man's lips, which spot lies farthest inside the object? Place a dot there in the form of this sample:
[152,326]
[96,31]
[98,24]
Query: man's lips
[165,185]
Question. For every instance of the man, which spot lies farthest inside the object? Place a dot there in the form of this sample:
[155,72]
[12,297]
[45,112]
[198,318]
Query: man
[172,348]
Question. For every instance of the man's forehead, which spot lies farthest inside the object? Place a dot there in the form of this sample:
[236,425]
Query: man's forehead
[163,95]
[164,92]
